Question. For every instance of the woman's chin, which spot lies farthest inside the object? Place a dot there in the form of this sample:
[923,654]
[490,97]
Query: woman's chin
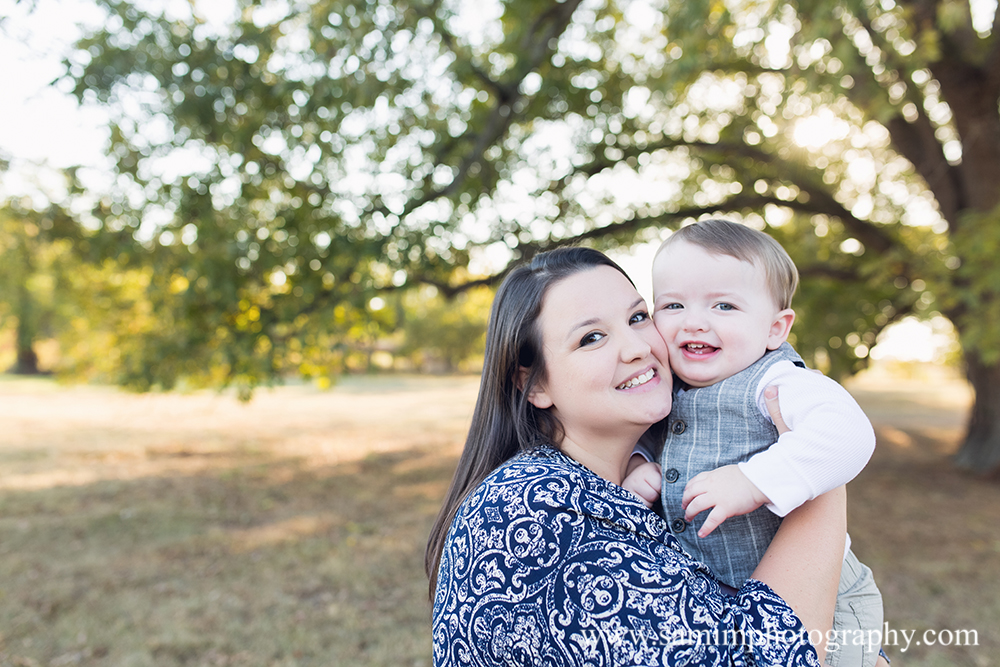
[655,415]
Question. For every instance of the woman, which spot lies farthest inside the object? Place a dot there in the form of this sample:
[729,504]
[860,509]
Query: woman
[539,556]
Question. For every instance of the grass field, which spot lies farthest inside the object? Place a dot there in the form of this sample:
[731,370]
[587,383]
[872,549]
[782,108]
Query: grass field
[192,530]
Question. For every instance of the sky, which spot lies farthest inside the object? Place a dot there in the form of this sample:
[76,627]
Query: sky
[43,129]
[41,126]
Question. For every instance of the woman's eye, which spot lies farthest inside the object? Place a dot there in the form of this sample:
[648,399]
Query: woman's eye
[638,317]
[591,338]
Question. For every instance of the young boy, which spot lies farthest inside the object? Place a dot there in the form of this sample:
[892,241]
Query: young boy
[722,297]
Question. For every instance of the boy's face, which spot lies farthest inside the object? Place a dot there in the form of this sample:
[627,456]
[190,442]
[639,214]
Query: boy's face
[715,313]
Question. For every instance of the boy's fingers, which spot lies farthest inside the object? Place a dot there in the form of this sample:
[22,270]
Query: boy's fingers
[698,505]
[715,518]
[653,481]
[689,495]
[693,488]
[773,409]
[639,496]
[652,493]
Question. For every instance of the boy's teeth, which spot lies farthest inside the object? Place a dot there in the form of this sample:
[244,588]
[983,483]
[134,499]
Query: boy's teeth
[636,381]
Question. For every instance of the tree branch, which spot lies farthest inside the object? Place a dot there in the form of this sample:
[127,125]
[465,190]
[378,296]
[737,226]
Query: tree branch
[918,143]
[820,200]
[991,64]
[970,81]
[507,94]
[671,220]
[460,54]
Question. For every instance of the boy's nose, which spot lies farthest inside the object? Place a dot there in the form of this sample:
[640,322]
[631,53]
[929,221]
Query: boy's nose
[695,322]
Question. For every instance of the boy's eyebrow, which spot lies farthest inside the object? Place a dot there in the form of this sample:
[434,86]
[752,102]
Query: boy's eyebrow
[732,296]
[713,295]
[595,320]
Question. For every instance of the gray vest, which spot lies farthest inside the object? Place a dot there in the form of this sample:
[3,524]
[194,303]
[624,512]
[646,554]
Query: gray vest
[710,427]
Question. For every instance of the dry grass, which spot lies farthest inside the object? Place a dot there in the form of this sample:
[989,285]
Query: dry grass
[192,530]
[929,532]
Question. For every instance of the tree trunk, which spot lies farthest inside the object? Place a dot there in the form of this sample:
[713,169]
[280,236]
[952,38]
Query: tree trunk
[27,360]
[981,450]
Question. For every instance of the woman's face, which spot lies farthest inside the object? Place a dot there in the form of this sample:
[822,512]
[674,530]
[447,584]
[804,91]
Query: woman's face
[606,365]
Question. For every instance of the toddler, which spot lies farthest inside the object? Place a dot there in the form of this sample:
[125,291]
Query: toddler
[722,297]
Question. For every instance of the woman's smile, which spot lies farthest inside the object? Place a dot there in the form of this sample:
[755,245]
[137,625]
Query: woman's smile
[639,380]
[606,371]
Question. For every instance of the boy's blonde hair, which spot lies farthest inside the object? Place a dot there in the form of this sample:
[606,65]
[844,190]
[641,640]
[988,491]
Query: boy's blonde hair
[745,244]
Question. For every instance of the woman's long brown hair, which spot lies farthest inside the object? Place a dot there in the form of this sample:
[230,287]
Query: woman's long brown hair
[504,422]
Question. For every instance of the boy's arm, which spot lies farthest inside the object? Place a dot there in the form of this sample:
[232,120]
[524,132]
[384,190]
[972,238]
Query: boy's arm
[830,442]
[643,475]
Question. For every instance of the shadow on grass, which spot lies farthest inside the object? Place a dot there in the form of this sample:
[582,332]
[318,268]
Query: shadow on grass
[255,560]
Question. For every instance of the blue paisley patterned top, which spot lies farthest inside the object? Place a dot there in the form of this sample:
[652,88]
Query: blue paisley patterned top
[546,563]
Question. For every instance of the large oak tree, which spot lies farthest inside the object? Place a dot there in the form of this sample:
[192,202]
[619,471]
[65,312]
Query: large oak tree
[282,168]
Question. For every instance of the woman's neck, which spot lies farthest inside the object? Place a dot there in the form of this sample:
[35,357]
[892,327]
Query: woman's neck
[606,456]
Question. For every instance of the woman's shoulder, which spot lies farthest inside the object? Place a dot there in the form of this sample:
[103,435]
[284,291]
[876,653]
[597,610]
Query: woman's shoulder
[546,480]
[545,472]
[546,468]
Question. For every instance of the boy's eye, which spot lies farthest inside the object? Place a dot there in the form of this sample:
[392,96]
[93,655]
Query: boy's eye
[672,306]
[726,306]
[591,338]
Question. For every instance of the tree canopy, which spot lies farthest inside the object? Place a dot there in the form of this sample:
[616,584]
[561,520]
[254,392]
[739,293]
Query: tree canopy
[279,170]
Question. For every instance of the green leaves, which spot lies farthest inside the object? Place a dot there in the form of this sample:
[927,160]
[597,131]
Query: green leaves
[293,164]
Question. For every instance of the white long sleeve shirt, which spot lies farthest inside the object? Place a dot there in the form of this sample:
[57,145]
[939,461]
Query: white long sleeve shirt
[830,441]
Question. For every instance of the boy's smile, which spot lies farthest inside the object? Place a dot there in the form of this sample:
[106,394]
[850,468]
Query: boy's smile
[715,313]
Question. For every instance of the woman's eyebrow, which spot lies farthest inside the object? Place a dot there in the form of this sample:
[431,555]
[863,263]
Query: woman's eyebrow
[581,325]
[595,320]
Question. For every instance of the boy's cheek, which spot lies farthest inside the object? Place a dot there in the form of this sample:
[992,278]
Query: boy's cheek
[661,328]
[666,337]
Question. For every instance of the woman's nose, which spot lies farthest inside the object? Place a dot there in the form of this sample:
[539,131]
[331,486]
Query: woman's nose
[635,347]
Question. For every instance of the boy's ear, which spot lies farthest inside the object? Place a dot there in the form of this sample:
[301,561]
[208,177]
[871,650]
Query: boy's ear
[537,396]
[780,328]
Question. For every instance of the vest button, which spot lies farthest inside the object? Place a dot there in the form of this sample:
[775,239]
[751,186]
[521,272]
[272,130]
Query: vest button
[678,526]
[671,475]
[678,427]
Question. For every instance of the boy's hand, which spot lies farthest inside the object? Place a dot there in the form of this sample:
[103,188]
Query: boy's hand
[725,489]
[643,479]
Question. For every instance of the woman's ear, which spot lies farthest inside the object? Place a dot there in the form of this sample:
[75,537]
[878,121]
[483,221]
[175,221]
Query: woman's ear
[537,396]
